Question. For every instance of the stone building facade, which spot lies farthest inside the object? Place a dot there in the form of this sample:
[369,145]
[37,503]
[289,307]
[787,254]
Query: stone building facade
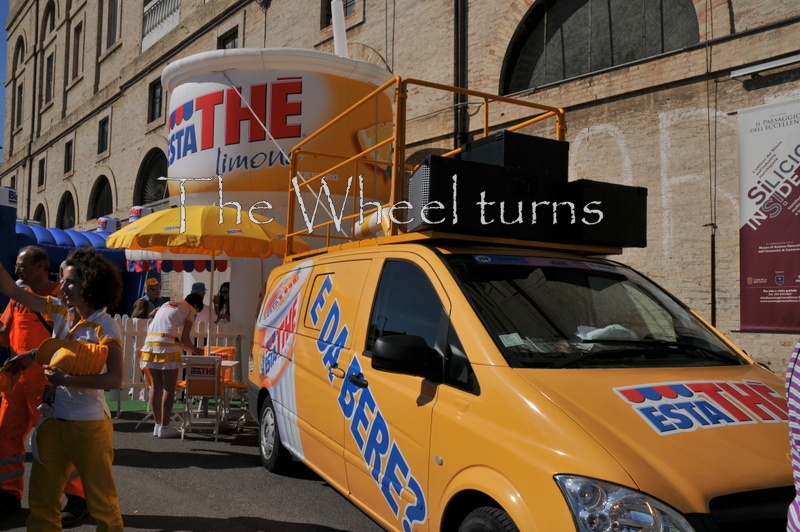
[647,85]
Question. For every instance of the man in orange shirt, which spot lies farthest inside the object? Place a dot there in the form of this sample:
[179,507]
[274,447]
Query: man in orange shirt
[23,330]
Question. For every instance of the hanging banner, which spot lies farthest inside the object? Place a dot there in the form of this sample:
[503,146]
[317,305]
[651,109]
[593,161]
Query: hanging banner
[769,217]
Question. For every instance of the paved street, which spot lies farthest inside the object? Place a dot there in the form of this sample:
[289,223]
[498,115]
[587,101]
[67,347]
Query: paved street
[202,486]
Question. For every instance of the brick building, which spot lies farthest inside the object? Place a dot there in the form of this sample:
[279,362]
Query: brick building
[647,85]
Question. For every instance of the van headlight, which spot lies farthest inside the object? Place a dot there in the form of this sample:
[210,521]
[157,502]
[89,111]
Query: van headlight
[600,506]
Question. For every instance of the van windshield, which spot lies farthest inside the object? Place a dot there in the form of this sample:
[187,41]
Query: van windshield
[560,313]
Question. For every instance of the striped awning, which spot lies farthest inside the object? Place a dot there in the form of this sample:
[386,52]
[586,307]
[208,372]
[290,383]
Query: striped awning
[139,260]
[175,265]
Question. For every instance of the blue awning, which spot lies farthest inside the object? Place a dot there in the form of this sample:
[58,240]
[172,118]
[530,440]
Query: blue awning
[59,242]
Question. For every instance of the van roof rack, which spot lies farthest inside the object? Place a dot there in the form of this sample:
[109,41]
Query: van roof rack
[399,171]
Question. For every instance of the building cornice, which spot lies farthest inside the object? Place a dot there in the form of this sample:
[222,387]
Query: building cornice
[15,9]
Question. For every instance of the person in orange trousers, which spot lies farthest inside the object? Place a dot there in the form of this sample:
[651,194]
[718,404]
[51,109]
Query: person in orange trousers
[23,330]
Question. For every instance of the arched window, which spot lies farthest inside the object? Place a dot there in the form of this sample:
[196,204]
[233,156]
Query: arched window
[148,188]
[40,216]
[100,200]
[562,39]
[48,20]
[17,90]
[19,55]
[49,63]
[66,212]
[113,22]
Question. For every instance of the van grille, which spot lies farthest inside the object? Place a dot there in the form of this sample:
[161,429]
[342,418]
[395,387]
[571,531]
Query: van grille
[749,511]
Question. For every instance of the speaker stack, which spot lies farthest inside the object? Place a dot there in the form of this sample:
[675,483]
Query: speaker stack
[516,186]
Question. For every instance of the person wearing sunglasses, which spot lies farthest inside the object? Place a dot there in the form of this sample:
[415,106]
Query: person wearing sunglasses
[222,304]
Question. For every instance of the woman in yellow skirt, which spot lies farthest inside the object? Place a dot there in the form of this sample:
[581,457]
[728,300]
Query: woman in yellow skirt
[161,356]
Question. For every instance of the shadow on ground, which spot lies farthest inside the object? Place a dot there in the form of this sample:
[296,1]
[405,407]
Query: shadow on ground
[202,458]
[203,524]
[187,523]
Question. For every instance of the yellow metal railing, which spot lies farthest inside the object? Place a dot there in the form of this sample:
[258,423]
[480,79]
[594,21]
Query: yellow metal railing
[398,142]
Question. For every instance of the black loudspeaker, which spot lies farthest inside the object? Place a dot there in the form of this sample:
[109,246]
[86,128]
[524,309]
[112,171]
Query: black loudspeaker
[611,215]
[540,158]
[466,197]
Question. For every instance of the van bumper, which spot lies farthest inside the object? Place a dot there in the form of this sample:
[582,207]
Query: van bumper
[763,510]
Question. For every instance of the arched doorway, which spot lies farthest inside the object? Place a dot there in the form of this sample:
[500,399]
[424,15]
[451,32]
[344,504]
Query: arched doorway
[100,200]
[148,188]
[40,216]
[66,212]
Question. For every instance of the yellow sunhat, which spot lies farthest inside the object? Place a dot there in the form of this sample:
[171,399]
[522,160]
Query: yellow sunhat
[75,357]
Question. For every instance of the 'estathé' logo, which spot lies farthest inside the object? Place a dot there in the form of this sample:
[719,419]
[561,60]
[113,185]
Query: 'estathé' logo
[670,408]
[268,103]
[281,298]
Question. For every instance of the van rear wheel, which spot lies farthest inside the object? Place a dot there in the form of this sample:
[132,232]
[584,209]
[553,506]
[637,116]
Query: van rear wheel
[488,519]
[274,456]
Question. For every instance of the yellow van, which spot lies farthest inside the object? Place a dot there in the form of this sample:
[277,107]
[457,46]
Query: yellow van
[456,376]
[446,386]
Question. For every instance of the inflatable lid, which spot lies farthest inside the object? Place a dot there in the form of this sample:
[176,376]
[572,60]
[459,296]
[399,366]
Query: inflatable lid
[219,61]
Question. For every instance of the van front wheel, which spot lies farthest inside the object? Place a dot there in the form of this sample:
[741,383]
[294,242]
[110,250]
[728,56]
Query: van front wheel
[488,519]
[274,456]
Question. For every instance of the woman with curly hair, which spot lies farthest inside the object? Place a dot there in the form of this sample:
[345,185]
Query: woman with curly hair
[76,429]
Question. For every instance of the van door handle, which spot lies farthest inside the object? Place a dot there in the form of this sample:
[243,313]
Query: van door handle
[337,372]
[361,383]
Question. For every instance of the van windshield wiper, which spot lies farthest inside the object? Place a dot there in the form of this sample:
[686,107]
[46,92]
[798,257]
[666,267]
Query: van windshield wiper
[672,347]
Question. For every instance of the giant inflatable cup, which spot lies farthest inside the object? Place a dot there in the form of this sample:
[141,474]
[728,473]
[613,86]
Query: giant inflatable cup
[238,114]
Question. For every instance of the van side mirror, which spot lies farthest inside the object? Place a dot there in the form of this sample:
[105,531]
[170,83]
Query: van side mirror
[406,354]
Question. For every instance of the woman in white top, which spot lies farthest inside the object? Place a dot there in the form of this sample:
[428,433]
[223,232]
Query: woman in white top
[76,429]
[167,337]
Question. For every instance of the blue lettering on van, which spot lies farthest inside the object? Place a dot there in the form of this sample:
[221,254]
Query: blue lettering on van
[322,295]
[714,414]
[368,427]
[684,416]
[691,409]
[370,431]
[680,420]
[329,342]
[676,407]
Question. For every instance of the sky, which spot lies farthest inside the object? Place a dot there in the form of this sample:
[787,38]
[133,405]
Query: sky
[3,17]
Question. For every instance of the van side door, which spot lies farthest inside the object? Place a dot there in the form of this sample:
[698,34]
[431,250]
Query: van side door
[388,415]
[328,321]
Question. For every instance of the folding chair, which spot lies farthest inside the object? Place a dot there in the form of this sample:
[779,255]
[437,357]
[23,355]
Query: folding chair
[223,351]
[227,353]
[203,381]
[240,391]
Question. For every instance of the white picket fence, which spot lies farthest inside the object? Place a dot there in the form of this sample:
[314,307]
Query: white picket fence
[134,331]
